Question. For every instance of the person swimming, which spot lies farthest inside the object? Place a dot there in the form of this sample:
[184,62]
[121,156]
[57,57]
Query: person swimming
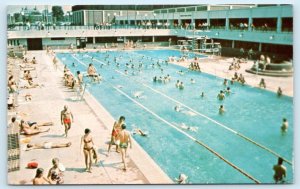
[177,84]
[221,109]
[139,94]
[221,95]
[202,94]
[178,108]
[186,127]
[181,86]
[228,91]
[140,132]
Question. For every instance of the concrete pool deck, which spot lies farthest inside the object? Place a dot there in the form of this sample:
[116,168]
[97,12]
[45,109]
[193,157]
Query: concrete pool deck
[88,113]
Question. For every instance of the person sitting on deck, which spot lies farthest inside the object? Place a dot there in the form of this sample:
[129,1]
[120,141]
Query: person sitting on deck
[92,72]
[39,178]
[231,67]
[235,77]
[34,61]
[262,83]
[55,174]
[30,84]
[47,145]
[27,75]
[241,79]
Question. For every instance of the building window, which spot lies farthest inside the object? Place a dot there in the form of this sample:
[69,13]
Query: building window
[57,38]
[181,10]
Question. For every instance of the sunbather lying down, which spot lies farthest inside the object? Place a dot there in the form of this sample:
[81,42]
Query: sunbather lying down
[31,128]
[47,145]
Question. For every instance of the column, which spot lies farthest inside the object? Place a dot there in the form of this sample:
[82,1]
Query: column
[250,21]
[259,47]
[208,21]
[84,18]
[193,24]
[94,40]
[227,23]
[279,24]
[153,39]
[232,45]
[103,15]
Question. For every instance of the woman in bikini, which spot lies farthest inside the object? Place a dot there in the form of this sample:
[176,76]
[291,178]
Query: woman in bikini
[88,149]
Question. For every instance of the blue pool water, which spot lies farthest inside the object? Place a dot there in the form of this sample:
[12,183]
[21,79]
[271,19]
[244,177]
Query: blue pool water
[250,112]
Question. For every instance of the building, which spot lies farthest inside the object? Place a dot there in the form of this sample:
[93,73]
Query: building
[266,28]
[262,28]
[92,14]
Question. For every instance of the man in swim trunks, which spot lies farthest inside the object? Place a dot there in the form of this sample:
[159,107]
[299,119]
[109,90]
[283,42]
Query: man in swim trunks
[66,117]
[280,171]
[125,138]
[115,134]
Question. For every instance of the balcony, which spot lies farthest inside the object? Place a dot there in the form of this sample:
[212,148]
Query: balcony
[260,36]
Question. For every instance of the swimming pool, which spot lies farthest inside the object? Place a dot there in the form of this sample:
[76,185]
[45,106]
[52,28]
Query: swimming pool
[246,138]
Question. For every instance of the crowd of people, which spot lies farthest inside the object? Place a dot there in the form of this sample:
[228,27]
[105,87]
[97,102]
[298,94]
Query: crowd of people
[120,137]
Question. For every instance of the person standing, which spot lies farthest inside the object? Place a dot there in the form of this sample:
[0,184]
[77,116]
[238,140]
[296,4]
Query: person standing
[115,134]
[88,149]
[66,119]
[284,125]
[125,140]
[280,171]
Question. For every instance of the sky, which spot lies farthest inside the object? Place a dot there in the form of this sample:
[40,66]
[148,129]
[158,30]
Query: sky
[17,8]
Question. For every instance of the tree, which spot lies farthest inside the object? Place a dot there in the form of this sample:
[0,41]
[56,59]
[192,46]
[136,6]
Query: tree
[58,13]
